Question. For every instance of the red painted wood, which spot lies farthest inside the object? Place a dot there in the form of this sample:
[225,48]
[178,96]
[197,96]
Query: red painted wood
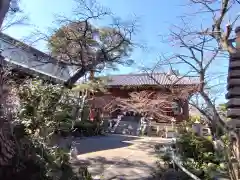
[124,93]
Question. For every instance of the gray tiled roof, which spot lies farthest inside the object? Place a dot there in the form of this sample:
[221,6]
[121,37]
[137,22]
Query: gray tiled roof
[150,79]
[32,60]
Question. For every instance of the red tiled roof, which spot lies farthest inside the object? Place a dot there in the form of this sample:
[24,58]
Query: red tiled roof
[150,79]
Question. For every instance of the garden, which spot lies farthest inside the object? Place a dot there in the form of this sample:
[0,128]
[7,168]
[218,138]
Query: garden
[38,107]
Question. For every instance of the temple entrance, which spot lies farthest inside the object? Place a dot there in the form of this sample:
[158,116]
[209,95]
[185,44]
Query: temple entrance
[128,123]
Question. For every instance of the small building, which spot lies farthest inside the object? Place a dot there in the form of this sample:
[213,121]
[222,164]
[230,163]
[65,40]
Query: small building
[120,86]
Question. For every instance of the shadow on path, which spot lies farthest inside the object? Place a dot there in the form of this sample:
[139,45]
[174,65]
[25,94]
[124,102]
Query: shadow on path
[118,156]
[102,143]
[117,168]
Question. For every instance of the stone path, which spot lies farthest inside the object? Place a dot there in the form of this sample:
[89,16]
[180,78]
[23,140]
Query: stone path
[118,156]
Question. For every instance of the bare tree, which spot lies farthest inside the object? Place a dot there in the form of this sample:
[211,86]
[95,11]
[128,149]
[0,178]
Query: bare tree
[225,38]
[201,51]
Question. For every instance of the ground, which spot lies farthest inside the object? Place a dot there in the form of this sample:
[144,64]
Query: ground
[118,156]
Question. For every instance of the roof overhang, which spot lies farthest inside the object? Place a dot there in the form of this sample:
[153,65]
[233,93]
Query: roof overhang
[30,71]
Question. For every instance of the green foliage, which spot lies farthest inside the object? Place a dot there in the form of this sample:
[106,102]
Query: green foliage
[166,157]
[194,119]
[199,156]
[223,107]
[72,34]
[95,85]
[85,174]
[192,146]
[44,110]
[88,128]
[79,43]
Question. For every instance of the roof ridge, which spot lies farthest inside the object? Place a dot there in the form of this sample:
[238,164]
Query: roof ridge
[133,74]
[142,74]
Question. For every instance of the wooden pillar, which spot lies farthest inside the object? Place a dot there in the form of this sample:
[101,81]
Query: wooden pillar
[233,94]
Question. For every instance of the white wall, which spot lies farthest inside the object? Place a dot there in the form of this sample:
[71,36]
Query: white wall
[26,58]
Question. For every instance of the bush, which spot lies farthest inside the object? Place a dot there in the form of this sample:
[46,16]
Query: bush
[45,110]
[87,128]
[192,146]
[198,155]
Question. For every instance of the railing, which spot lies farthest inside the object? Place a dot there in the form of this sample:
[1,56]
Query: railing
[178,163]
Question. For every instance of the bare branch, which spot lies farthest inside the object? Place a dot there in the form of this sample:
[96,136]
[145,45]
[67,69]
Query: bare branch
[154,103]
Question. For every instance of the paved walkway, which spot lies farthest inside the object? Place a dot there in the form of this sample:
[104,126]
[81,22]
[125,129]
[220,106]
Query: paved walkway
[118,156]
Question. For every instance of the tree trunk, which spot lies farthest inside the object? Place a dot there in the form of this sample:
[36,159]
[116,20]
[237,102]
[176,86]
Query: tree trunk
[7,149]
[71,81]
[83,104]
[77,107]
[4,7]
[6,145]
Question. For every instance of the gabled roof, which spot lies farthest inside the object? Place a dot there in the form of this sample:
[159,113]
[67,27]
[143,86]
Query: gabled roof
[150,79]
